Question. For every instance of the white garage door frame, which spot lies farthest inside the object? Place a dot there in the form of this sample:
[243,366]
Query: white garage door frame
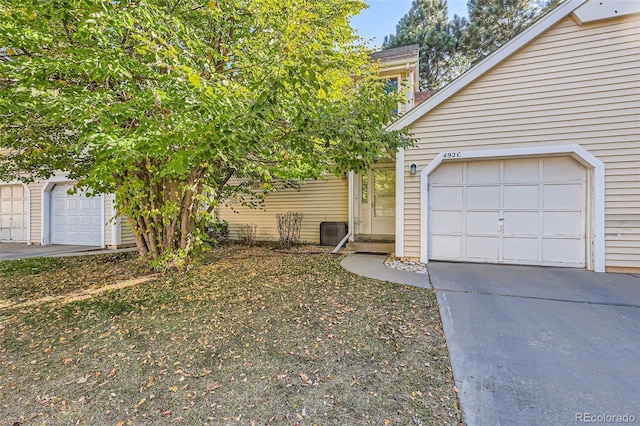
[595,192]
[27,193]
[46,209]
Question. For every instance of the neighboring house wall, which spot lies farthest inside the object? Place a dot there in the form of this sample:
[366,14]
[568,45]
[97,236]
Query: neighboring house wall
[572,85]
[36,212]
[319,201]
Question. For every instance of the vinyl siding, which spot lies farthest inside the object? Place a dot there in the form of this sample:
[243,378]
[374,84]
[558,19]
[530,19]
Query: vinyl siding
[36,212]
[572,85]
[319,201]
[108,218]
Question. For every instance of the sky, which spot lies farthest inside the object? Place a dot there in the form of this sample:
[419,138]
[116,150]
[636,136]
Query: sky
[383,15]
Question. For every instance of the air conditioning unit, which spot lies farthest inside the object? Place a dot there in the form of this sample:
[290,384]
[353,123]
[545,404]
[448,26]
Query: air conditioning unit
[331,233]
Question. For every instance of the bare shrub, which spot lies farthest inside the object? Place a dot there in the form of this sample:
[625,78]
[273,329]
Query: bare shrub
[248,234]
[289,225]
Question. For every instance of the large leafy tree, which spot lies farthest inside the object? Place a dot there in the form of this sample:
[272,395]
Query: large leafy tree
[425,24]
[492,23]
[171,104]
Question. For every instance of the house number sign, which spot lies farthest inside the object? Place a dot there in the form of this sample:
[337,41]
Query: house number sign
[452,154]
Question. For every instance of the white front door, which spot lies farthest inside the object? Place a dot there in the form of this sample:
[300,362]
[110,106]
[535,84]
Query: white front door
[377,202]
[75,219]
[518,211]
[13,213]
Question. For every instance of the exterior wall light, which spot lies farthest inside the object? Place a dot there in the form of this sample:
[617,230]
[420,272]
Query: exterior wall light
[413,169]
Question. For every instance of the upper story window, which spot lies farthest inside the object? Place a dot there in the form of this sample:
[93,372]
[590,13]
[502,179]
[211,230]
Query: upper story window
[392,85]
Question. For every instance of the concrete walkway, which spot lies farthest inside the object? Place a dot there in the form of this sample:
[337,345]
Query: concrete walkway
[372,266]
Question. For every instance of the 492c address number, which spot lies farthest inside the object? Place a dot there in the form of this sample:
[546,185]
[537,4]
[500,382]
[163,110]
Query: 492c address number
[452,154]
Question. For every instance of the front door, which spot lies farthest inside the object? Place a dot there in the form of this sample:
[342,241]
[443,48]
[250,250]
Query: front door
[377,201]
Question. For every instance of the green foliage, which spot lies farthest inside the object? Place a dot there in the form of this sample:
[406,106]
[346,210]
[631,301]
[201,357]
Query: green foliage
[174,104]
[214,229]
[426,25]
[449,48]
[493,23]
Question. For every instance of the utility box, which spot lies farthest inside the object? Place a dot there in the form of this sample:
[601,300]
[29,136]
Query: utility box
[331,233]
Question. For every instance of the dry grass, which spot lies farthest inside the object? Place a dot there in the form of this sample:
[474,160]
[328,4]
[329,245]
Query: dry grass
[249,336]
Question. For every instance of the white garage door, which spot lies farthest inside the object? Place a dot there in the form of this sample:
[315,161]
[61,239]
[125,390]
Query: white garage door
[13,213]
[518,211]
[75,219]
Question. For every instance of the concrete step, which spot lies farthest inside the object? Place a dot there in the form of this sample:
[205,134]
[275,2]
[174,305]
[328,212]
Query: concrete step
[372,247]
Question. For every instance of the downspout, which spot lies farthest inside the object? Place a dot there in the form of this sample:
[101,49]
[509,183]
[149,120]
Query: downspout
[350,224]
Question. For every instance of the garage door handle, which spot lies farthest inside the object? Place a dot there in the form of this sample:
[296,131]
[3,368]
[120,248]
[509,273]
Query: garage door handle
[501,224]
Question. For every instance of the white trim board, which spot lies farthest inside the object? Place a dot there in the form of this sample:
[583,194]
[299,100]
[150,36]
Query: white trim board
[595,167]
[399,248]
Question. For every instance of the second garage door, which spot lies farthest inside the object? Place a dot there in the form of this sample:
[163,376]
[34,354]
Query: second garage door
[75,219]
[517,211]
[13,213]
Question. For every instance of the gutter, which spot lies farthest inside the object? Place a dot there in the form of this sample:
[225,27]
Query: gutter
[341,243]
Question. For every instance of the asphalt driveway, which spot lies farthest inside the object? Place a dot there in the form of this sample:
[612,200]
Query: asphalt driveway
[544,346]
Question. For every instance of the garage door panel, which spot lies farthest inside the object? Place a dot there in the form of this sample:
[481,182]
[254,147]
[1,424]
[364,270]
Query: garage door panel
[448,222]
[529,210]
[13,213]
[562,169]
[521,223]
[482,247]
[521,170]
[447,197]
[75,218]
[563,196]
[482,222]
[521,197]
[562,223]
[483,171]
[447,246]
[448,175]
[521,249]
[563,250]
[483,197]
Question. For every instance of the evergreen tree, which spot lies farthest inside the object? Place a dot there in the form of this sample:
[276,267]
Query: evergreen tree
[493,23]
[426,25]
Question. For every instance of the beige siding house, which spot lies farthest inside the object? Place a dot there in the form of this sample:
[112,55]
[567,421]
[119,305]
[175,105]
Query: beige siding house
[44,213]
[329,200]
[533,155]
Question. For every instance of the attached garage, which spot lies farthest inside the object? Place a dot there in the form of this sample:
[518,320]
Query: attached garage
[514,211]
[531,156]
[14,208]
[75,218]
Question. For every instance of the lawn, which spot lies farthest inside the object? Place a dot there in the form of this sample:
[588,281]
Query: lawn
[250,336]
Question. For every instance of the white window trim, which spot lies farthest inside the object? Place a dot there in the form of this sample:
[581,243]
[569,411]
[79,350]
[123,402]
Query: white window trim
[596,223]
[45,217]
